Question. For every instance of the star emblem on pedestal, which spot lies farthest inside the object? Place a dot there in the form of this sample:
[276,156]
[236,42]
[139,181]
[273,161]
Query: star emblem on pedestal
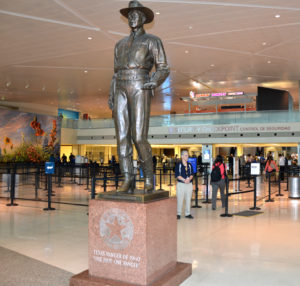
[115,229]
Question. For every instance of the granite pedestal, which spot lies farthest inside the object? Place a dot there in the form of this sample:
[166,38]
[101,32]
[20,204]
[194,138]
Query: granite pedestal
[133,243]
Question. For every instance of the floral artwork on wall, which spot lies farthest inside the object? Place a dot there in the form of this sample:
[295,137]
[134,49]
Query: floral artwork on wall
[28,137]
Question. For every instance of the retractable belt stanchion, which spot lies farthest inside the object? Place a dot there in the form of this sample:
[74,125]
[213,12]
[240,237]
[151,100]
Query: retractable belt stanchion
[87,177]
[170,184]
[279,188]
[207,201]
[12,187]
[287,179]
[105,182]
[254,199]
[269,198]
[93,188]
[49,179]
[160,180]
[196,193]
[226,214]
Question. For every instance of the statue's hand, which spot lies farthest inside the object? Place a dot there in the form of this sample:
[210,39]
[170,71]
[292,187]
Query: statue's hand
[150,85]
[111,102]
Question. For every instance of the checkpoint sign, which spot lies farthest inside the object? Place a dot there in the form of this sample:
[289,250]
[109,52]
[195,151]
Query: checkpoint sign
[49,168]
[255,168]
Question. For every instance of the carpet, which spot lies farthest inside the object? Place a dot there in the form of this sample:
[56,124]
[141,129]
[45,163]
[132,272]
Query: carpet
[248,213]
[19,270]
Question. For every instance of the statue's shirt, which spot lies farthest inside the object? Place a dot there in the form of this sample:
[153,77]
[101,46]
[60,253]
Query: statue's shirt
[142,51]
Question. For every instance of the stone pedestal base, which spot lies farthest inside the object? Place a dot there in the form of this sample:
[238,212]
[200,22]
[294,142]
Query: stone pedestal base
[133,243]
[172,278]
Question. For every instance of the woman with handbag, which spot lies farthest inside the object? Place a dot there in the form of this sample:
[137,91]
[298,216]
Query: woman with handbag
[271,167]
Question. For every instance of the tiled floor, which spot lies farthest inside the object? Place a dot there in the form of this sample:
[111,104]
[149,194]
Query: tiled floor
[259,250]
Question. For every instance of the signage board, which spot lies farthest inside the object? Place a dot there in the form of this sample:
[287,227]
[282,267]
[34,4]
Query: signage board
[193,162]
[49,168]
[255,169]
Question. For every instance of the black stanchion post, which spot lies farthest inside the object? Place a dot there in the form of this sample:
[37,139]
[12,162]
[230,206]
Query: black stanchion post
[160,180]
[287,179]
[87,177]
[105,182]
[59,176]
[170,184]
[269,198]
[116,181]
[207,201]
[12,187]
[279,188]
[196,193]
[254,199]
[49,179]
[93,188]
[80,175]
[36,185]
[226,214]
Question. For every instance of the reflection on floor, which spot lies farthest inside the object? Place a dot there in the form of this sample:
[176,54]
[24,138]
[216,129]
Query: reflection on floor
[258,250]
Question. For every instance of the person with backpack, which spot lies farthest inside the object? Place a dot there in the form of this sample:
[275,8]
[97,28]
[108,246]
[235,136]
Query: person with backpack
[184,187]
[217,180]
[271,167]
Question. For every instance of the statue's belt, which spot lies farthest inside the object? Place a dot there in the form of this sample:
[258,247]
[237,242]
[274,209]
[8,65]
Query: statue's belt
[132,74]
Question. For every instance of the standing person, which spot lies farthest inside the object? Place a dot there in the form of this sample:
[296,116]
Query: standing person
[271,166]
[218,175]
[281,166]
[64,158]
[132,89]
[184,187]
[199,162]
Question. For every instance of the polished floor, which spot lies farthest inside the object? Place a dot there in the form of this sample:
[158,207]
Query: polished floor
[258,250]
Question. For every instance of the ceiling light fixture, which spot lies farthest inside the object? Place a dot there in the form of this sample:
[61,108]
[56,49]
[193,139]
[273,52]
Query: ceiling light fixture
[27,85]
[8,83]
[90,38]
[212,65]
[85,71]
[186,51]
[277,16]
[249,77]
[263,43]
[157,13]
[268,62]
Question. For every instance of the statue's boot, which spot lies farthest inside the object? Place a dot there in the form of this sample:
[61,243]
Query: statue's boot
[128,184]
[148,170]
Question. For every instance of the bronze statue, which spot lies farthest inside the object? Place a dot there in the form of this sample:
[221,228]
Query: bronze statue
[131,90]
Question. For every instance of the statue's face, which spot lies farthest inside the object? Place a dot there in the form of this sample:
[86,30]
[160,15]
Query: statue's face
[136,19]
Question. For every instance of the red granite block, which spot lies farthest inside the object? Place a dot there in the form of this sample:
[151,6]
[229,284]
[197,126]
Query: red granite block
[132,242]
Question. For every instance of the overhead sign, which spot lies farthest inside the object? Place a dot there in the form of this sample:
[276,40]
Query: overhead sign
[215,94]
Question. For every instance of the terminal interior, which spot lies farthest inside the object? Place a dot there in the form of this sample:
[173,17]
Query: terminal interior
[233,90]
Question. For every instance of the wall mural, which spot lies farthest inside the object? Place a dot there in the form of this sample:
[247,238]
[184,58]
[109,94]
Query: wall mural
[28,137]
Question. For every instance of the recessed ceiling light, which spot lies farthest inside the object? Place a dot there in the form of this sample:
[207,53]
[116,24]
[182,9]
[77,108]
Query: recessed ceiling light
[263,43]
[8,83]
[212,65]
[90,38]
[190,27]
[85,71]
[157,13]
[27,85]
[249,77]
[222,82]
[277,16]
[186,51]
[268,62]
[43,88]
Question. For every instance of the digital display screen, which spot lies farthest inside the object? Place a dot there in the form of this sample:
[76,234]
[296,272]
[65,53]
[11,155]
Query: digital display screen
[219,94]
[206,155]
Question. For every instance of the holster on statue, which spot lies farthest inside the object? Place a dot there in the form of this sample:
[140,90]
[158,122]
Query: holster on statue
[127,170]
[148,172]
